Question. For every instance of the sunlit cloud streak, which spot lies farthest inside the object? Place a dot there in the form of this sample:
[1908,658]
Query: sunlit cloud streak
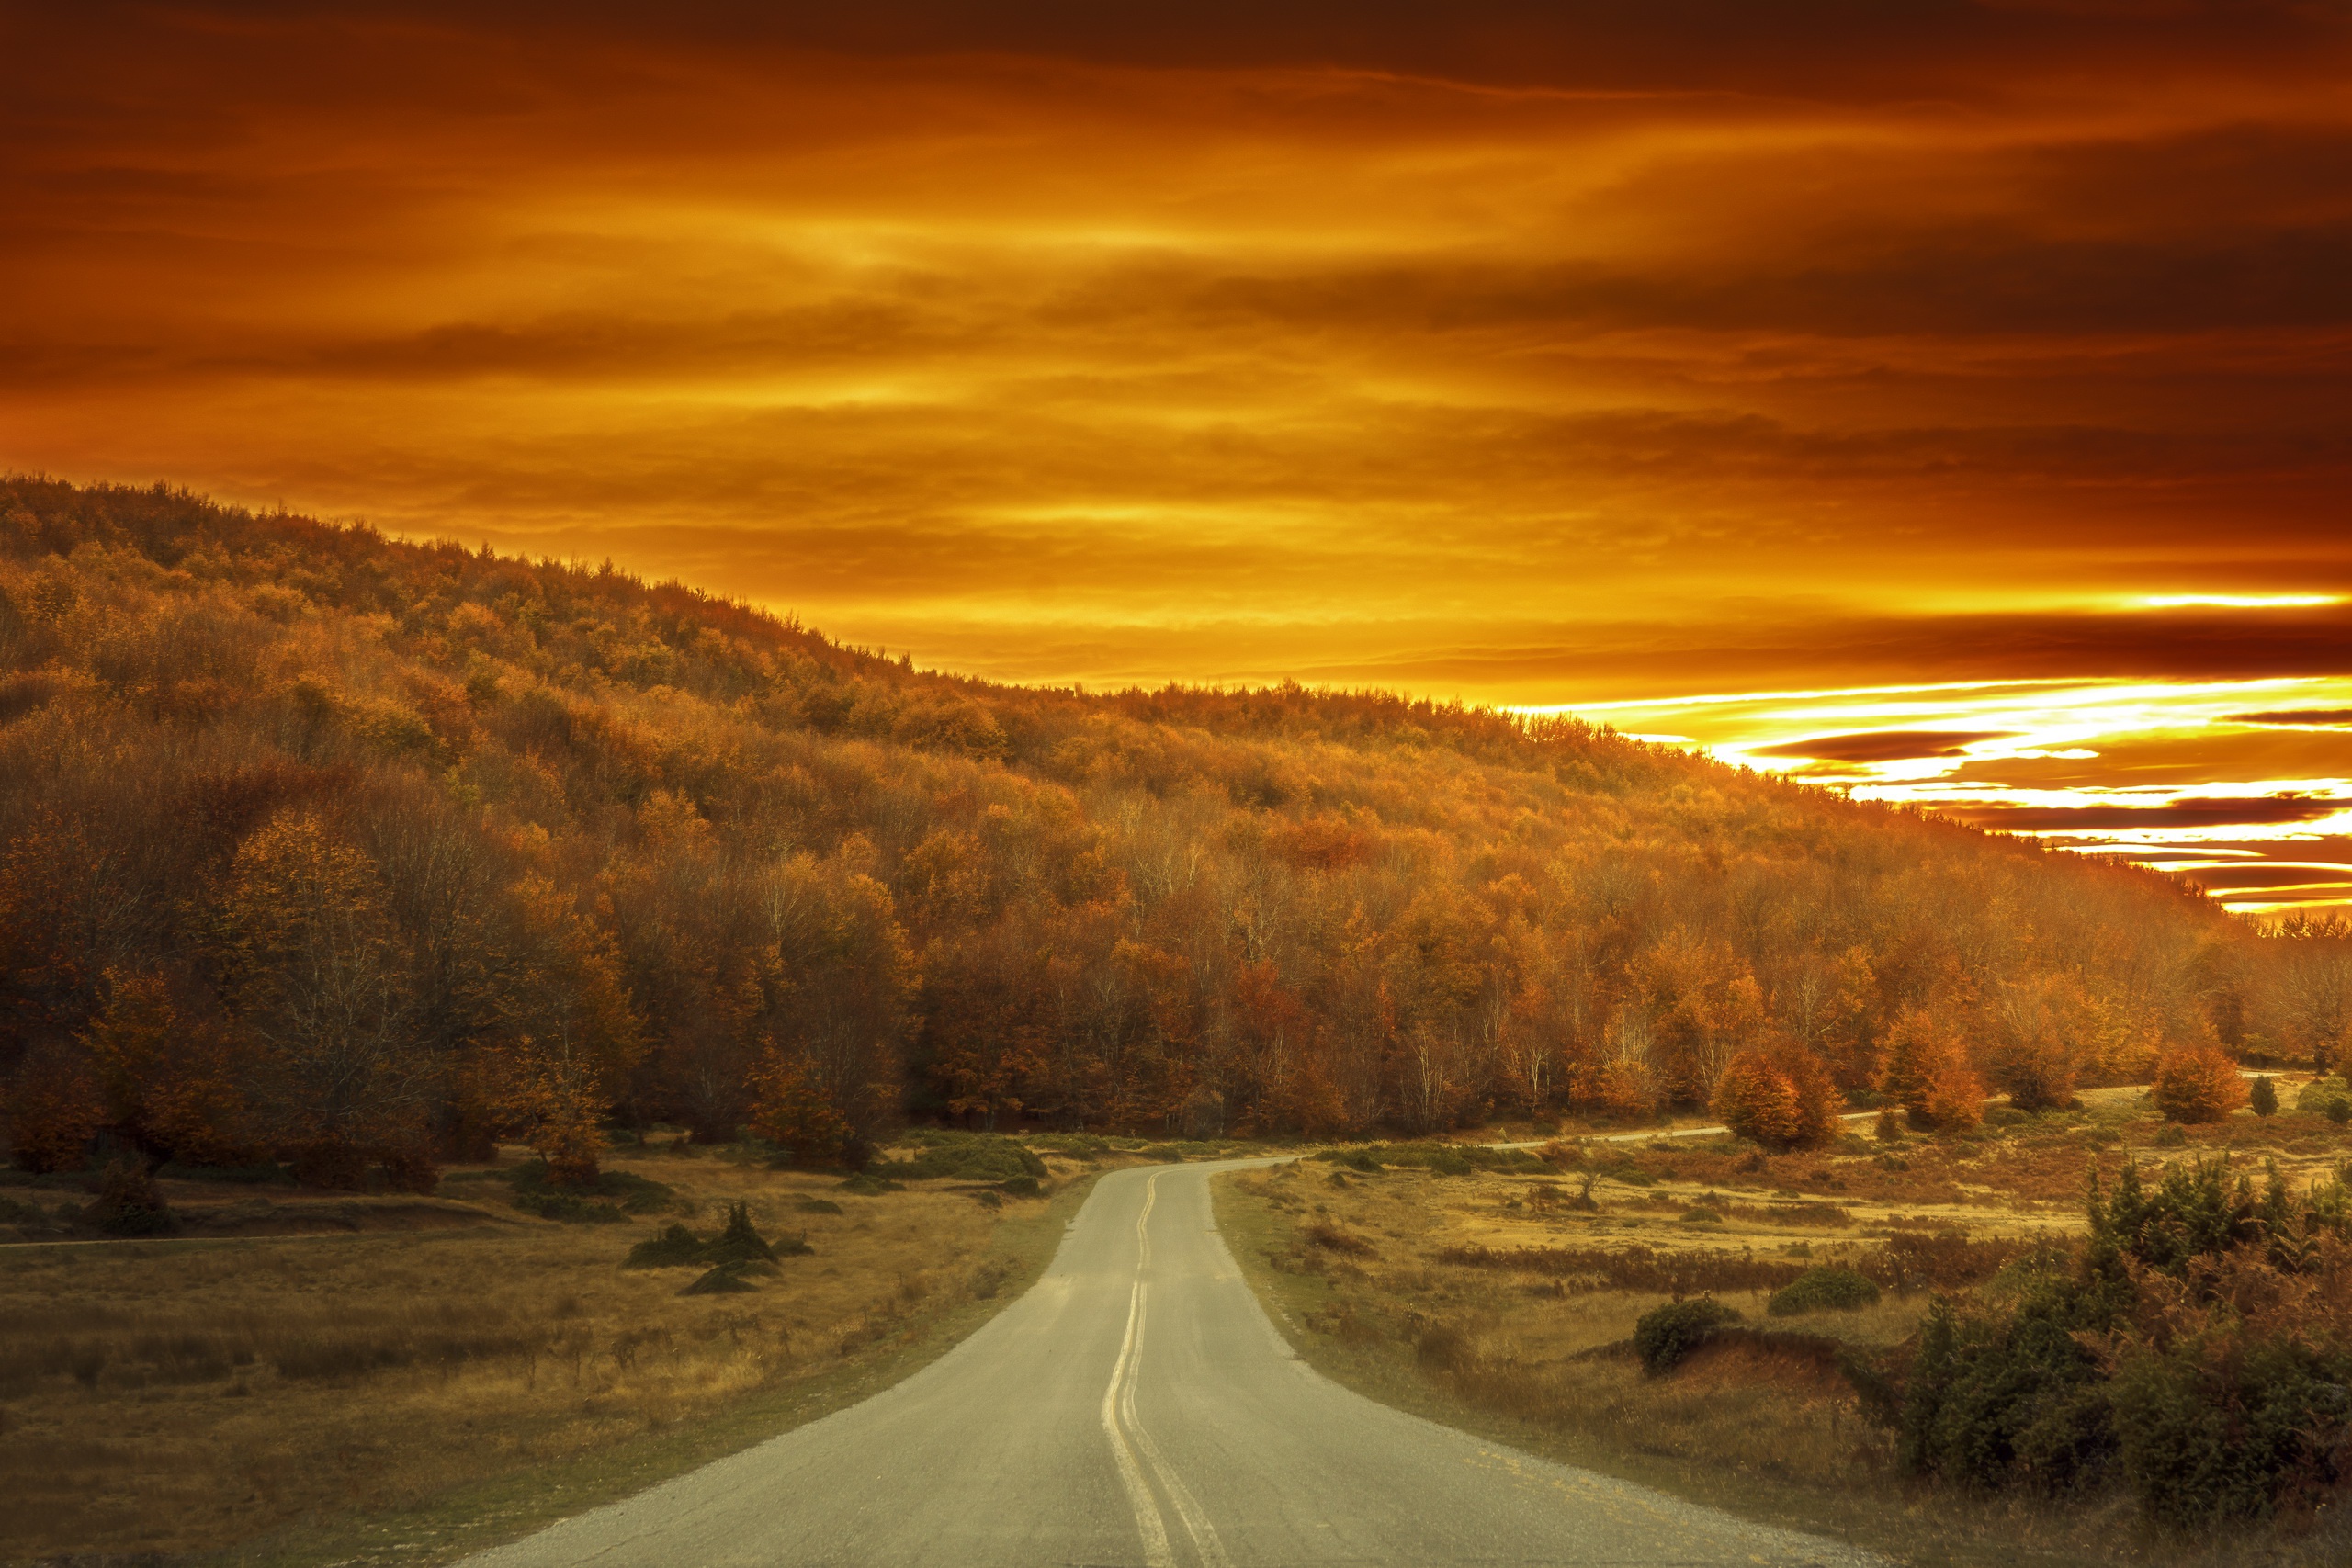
[1569,355]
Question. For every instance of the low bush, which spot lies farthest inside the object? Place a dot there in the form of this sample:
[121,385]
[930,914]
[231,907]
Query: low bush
[818,1206]
[1826,1289]
[2324,1097]
[964,1156]
[1331,1238]
[737,1244]
[866,1184]
[608,1197]
[1666,1334]
[128,1205]
[1077,1146]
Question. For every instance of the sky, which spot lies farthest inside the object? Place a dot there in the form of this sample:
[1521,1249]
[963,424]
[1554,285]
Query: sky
[1948,402]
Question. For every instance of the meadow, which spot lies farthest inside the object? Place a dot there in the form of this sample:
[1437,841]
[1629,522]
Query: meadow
[1506,1300]
[377,1374]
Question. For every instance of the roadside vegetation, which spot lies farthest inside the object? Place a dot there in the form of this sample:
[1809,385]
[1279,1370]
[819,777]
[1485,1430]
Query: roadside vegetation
[288,1375]
[1955,1348]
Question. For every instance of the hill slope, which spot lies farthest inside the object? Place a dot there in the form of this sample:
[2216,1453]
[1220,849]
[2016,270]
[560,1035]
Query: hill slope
[325,845]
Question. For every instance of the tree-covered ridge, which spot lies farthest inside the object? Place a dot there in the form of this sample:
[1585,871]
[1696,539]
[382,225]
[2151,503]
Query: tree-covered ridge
[337,848]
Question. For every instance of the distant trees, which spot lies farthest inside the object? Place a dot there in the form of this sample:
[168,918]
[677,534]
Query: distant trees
[464,848]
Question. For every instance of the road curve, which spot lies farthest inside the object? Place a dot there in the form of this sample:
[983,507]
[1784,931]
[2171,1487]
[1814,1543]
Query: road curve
[1137,1407]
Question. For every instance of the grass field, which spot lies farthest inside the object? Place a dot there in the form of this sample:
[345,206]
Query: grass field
[434,1382]
[1504,1303]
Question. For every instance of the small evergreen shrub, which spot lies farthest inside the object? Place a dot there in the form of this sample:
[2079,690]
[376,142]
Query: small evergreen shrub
[1664,1336]
[2263,1098]
[1826,1289]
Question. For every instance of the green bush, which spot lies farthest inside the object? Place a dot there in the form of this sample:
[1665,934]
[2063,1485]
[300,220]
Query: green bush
[2322,1096]
[1997,1402]
[1701,1217]
[1826,1289]
[1666,1336]
[866,1184]
[2263,1098]
[2215,1430]
[1077,1146]
[610,1198]
[818,1206]
[963,1156]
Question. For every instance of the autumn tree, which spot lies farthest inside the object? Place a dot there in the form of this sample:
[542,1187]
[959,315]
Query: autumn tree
[172,1083]
[53,1109]
[2198,1083]
[1782,1098]
[791,1109]
[311,967]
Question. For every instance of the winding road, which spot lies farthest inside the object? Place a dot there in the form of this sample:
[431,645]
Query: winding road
[1135,1406]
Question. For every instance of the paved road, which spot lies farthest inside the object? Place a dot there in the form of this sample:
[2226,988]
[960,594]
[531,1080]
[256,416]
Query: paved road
[1137,1407]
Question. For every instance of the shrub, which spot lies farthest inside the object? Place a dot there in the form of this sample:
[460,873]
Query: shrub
[1331,1238]
[1826,1289]
[818,1206]
[966,1157]
[2198,1084]
[1702,1216]
[128,1205]
[2220,1427]
[1888,1128]
[607,1199]
[1666,1335]
[2263,1099]
[866,1184]
[739,1244]
[2322,1096]
[2010,1400]
[676,1248]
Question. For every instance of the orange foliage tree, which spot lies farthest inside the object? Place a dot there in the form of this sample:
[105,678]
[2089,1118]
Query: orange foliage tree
[2198,1083]
[1927,1073]
[791,1109]
[1784,1098]
[171,1082]
[55,1109]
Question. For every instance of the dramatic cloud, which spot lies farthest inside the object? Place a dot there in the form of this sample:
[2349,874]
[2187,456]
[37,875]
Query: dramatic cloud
[1558,354]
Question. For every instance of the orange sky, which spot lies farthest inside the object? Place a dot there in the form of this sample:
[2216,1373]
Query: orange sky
[1994,358]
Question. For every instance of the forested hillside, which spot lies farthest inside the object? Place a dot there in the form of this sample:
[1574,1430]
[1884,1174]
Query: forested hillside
[323,847]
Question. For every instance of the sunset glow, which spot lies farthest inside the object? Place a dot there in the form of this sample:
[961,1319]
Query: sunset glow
[1958,394]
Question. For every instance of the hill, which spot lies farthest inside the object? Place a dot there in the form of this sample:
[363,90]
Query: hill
[355,852]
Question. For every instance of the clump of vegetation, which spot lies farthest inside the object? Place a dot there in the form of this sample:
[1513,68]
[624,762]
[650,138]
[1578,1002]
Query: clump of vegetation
[1076,1145]
[1702,1216]
[1826,1289]
[2329,1097]
[866,1184]
[737,1243]
[128,1203]
[964,1156]
[1783,1099]
[1666,1336]
[608,1197]
[1331,1238]
[818,1206]
[2263,1098]
[2198,1347]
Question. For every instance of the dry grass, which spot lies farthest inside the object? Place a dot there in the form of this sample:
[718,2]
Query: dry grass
[174,1397]
[1504,1304]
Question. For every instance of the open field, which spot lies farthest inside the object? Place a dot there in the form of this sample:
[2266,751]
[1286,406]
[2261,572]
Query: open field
[461,1369]
[1504,1302]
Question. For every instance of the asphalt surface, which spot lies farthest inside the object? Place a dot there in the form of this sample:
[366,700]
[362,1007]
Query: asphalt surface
[1137,1407]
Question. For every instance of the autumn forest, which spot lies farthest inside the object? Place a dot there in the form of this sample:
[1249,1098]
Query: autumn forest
[362,854]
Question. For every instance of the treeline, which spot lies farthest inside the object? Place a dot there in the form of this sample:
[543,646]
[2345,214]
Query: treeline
[323,847]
